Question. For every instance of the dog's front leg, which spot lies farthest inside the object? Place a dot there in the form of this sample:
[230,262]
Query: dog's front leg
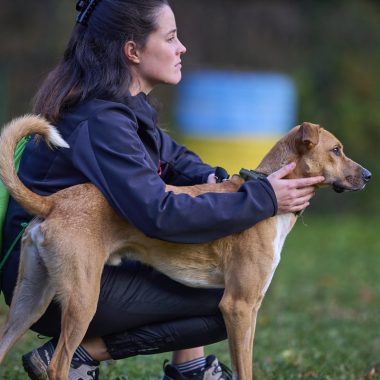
[247,271]
[32,295]
[240,317]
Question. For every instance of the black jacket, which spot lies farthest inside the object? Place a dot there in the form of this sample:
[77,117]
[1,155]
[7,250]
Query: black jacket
[119,148]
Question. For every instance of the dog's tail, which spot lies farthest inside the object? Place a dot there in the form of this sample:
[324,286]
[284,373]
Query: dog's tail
[11,134]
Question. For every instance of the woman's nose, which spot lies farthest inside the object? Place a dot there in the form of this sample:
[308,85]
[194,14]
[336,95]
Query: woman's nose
[182,48]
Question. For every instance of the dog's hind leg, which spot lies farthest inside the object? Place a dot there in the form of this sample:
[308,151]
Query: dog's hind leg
[78,296]
[32,296]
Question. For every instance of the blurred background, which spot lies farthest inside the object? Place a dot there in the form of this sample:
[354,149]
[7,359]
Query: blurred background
[253,70]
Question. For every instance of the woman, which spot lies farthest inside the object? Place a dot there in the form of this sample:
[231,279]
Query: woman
[120,50]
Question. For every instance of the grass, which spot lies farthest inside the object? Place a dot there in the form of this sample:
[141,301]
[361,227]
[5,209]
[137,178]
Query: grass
[319,320]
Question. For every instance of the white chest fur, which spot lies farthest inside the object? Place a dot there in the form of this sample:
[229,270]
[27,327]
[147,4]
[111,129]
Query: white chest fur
[285,223]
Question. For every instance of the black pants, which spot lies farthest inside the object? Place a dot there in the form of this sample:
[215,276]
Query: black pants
[141,311]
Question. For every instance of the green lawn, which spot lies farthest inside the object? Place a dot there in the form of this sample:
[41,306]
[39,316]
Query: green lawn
[320,319]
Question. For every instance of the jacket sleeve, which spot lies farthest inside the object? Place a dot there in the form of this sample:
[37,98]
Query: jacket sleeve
[107,150]
[181,167]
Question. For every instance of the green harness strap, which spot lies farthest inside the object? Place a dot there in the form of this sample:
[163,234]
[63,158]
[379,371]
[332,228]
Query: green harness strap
[14,242]
[4,200]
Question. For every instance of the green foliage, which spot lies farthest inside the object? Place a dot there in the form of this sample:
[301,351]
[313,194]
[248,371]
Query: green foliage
[319,320]
[339,81]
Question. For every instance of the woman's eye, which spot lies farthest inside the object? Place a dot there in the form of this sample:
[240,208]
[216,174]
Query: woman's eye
[336,151]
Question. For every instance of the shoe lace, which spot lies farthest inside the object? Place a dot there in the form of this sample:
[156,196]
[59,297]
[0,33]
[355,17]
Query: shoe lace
[94,373]
[223,370]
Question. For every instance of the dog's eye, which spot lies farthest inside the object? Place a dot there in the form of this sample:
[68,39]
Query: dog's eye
[337,151]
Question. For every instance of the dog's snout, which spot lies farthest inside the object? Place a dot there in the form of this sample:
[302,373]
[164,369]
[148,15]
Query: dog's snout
[366,175]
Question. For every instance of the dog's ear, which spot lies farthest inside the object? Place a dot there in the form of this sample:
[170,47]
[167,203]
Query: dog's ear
[307,136]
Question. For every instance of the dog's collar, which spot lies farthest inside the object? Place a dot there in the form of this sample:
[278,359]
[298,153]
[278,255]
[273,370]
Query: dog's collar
[247,174]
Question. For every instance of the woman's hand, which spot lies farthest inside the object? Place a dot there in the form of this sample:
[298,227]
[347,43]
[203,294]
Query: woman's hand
[292,195]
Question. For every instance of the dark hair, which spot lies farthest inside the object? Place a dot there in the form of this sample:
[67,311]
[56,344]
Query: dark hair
[94,64]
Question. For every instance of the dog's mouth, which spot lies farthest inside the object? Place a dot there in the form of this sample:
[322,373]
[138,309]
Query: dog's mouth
[352,182]
[339,188]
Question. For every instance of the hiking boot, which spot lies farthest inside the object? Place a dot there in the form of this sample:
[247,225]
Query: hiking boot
[214,370]
[37,361]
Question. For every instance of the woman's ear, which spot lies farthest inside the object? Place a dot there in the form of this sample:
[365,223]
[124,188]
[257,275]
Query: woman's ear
[131,52]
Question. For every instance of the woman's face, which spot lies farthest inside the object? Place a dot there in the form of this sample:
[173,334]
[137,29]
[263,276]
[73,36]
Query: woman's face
[159,61]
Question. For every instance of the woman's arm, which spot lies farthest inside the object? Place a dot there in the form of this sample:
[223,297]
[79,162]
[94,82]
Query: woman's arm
[108,151]
[181,166]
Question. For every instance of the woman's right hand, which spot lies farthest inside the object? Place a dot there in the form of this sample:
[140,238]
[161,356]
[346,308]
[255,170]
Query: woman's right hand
[292,195]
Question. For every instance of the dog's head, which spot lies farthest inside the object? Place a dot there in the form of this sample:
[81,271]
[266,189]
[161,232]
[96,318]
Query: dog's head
[319,152]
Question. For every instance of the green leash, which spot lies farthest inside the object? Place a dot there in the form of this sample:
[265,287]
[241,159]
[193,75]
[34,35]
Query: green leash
[17,238]
[4,200]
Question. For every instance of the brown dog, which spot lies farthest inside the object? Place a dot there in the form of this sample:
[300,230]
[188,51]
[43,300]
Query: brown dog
[76,232]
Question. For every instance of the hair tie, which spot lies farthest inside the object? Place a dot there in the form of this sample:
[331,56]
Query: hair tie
[85,7]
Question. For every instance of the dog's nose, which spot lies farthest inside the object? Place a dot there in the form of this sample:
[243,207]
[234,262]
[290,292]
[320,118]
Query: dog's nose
[366,175]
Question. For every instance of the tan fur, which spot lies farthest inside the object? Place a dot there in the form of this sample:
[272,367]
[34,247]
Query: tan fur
[77,232]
